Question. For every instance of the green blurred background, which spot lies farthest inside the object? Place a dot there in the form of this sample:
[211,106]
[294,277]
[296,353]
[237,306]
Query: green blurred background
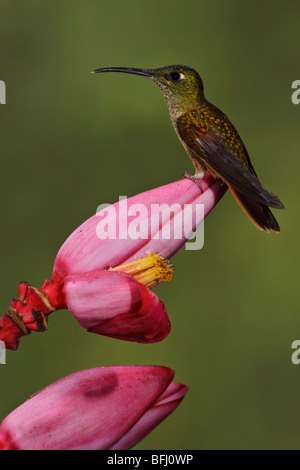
[70,141]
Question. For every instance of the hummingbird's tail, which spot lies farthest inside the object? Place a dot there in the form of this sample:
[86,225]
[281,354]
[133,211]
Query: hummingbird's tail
[260,214]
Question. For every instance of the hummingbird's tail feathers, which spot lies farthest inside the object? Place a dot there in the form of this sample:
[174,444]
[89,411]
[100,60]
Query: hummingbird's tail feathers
[274,200]
[221,161]
[260,214]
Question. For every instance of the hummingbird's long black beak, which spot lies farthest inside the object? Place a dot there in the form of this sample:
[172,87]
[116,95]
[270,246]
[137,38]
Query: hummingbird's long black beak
[143,72]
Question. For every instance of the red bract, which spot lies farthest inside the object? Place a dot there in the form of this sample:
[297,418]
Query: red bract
[105,282]
[101,408]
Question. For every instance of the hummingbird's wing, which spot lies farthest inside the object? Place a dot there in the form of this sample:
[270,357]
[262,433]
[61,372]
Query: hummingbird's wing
[210,148]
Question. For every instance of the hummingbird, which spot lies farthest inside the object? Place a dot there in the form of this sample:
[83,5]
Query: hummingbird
[210,140]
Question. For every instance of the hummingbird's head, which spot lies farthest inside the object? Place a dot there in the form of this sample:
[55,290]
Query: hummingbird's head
[181,85]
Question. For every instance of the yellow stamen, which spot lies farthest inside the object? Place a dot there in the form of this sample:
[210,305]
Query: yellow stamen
[150,270]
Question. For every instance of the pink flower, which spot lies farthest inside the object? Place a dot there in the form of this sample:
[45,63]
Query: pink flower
[104,271]
[109,408]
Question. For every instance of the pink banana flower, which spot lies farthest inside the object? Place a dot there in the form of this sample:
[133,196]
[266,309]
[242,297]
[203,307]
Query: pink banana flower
[105,408]
[104,271]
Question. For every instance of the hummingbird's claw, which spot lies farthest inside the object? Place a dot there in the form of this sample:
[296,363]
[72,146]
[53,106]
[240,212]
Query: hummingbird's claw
[191,177]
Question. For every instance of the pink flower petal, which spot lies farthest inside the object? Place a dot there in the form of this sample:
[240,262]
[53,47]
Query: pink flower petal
[183,223]
[147,325]
[84,251]
[89,410]
[101,295]
[114,304]
[164,406]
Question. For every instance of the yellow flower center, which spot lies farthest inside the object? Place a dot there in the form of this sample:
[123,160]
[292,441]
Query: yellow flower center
[150,270]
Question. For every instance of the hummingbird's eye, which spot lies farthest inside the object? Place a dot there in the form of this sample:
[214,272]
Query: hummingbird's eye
[175,76]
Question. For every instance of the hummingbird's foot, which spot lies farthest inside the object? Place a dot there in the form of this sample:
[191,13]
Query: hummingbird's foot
[191,177]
